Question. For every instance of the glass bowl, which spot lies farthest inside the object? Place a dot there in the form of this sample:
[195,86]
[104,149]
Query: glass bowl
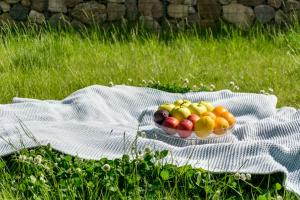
[166,132]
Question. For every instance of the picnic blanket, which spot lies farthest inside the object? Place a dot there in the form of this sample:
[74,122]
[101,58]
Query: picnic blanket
[100,121]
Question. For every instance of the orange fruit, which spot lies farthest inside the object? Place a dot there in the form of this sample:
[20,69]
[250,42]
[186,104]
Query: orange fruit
[229,117]
[210,114]
[219,110]
[204,126]
[221,125]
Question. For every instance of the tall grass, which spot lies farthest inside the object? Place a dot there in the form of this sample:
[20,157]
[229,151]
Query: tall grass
[43,63]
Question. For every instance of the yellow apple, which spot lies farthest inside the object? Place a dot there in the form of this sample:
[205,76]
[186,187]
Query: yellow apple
[181,113]
[197,109]
[167,106]
[208,105]
[204,126]
[182,103]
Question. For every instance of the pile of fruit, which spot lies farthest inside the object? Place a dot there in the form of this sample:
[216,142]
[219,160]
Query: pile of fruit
[202,118]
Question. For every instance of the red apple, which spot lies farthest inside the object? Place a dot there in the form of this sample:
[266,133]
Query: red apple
[194,118]
[170,124]
[185,128]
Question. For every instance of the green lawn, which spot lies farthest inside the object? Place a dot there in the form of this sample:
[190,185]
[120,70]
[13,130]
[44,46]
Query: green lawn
[50,64]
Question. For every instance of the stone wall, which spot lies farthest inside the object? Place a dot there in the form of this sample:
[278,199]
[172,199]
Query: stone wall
[152,13]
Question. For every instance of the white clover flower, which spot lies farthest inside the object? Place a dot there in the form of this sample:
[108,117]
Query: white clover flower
[106,167]
[248,176]
[186,81]
[231,83]
[236,87]
[32,179]
[278,197]
[150,82]
[42,178]
[243,177]
[271,90]
[47,168]
[140,157]
[147,149]
[237,176]
[38,159]
[111,83]
[22,158]
[262,91]
[78,170]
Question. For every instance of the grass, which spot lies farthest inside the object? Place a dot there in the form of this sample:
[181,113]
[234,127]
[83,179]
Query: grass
[50,64]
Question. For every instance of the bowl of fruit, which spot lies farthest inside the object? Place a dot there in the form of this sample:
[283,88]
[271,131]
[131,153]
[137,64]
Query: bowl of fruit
[193,120]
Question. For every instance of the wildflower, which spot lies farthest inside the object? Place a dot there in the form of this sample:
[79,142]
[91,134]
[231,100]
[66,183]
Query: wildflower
[106,167]
[237,176]
[42,178]
[243,177]
[186,81]
[271,90]
[278,197]
[150,82]
[38,159]
[47,168]
[69,171]
[78,170]
[195,87]
[147,149]
[32,179]
[201,85]
[231,83]
[22,158]
[236,87]
[248,176]
[111,83]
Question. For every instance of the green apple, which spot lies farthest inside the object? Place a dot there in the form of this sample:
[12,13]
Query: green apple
[166,106]
[181,113]
[182,103]
[208,105]
[197,109]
